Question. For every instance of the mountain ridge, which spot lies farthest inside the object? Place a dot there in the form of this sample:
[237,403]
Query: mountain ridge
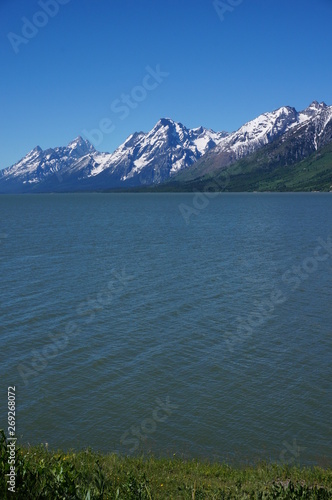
[169,151]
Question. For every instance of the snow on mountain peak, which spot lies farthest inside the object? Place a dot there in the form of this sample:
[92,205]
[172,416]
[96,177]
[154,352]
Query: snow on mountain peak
[312,111]
[258,132]
[317,105]
[83,145]
[314,108]
[154,156]
[163,123]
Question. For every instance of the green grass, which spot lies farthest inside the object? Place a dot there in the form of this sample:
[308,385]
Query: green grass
[312,174]
[261,171]
[41,473]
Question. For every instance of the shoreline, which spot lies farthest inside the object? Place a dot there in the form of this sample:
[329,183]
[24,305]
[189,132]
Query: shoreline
[41,473]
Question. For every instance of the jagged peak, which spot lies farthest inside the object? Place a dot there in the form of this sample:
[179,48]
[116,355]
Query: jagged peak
[34,152]
[79,141]
[200,130]
[287,109]
[133,138]
[165,122]
[267,119]
[317,105]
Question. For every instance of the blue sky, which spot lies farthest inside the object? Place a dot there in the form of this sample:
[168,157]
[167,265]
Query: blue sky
[71,74]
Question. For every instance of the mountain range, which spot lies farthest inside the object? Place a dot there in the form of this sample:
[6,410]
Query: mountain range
[264,154]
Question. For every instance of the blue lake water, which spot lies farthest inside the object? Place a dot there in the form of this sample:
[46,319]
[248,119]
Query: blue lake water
[169,323]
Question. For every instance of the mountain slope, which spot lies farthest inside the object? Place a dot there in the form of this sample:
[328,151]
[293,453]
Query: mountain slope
[284,165]
[144,158]
[302,132]
[170,151]
[311,174]
[38,166]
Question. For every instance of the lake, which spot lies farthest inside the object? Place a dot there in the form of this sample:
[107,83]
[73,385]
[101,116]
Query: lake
[170,323]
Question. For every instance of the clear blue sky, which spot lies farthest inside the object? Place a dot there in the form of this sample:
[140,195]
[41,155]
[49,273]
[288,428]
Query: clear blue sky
[263,55]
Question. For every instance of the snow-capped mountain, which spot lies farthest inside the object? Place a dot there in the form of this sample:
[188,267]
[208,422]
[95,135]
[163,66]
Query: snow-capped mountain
[144,158]
[153,157]
[39,165]
[303,132]
[164,152]
[269,126]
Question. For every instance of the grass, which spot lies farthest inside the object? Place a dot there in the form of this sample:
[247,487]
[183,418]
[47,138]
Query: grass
[260,171]
[44,474]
